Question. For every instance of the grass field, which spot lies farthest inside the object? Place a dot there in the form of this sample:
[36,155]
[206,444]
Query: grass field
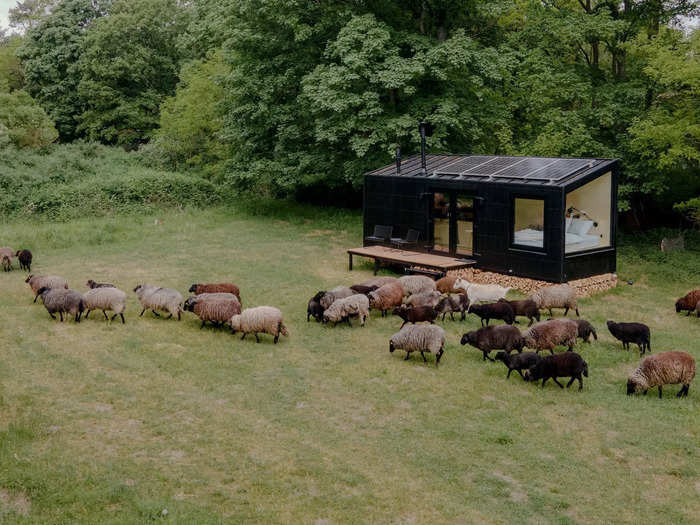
[158,420]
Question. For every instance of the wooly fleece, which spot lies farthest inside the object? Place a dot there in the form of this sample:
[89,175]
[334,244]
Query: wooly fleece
[557,296]
[343,309]
[261,319]
[419,338]
[665,368]
[415,284]
[546,335]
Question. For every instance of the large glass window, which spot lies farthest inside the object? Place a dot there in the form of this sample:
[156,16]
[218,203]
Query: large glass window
[528,222]
[587,219]
[441,222]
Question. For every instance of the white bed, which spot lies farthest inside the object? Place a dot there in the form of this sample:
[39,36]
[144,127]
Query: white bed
[577,236]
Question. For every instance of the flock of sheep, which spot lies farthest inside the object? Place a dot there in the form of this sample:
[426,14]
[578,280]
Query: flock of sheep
[416,299]
[419,299]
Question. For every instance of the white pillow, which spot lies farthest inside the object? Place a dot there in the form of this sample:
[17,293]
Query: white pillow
[580,227]
[569,220]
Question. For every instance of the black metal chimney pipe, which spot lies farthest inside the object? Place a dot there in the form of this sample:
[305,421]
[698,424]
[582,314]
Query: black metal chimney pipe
[423,163]
[398,161]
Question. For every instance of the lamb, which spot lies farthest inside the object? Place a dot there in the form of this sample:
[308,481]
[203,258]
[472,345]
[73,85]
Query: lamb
[525,308]
[419,338]
[568,364]
[156,298]
[339,292]
[414,284]
[557,296]
[364,290]
[451,304]
[36,282]
[261,319]
[585,329]
[61,300]
[386,297]
[481,292]
[217,308]
[518,362]
[25,259]
[354,306]
[502,337]
[92,284]
[548,334]
[688,302]
[636,333]
[666,368]
[415,314]
[314,308]
[379,281]
[500,310]
[424,299]
[199,289]
[105,298]
[446,285]
[6,255]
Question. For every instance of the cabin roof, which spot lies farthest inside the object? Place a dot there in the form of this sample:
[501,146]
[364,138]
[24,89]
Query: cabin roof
[535,171]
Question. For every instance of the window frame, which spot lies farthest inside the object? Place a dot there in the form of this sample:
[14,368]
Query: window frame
[512,245]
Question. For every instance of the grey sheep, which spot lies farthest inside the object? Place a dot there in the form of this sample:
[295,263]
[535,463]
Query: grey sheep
[216,308]
[60,300]
[261,319]
[156,298]
[37,282]
[106,298]
[419,338]
[379,281]
[415,284]
[431,299]
[557,296]
[666,368]
[354,306]
[6,255]
[339,292]
[546,335]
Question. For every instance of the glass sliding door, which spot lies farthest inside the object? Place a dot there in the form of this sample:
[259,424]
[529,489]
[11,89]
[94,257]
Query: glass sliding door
[453,223]
[441,222]
[464,224]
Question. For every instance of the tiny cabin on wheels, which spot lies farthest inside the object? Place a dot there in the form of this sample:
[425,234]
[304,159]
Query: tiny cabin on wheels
[551,219]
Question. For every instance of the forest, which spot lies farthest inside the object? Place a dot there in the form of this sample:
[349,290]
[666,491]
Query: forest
[298,99]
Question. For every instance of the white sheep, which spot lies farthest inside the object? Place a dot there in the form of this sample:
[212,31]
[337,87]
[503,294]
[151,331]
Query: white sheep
[415,284]
[339,292]
[261,319]
[481,292]
[105,299]
[419,338]
[343,309]
[156,298]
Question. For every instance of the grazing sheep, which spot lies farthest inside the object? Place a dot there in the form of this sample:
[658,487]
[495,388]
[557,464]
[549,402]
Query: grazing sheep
[525,308]
[557,296]
[446,285]
[502,337]
[585,330]
[548,334]
[105,298]
[364,290]
[261,319]
[415,314]
[666,368]
[415,284]
[6,255]
[314,308]
[156,298]
[36,282]
[386,297]
[518,362]
[500,310]
[636,333]
[217,308]
[61,300]
[481,292]
[92,284]
[453,303]
[688,302]
[354,306]
[199,289]
[419,338]
[568,364]
[379,281]
[339,292]
[424,299]
[25,259]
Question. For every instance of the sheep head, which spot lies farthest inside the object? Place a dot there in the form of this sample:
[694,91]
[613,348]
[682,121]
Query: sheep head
[193,288]
[29,278]
[235,323]
[469,337]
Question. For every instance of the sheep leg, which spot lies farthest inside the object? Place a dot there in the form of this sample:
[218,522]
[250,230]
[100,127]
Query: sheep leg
[103,313]
[244,334]
[684,391]
[558,383]
[570,382]
[155,313]
[645,392]
[509,371]
[52,315]
[35,298]
[347,320]
[169,317]
[566,311]
[580,382]
[142,312]
[88,313]
[660,392]
[551,350]
[257,339]
[577,314]
[77,317]
[532,320]
[408,354]
[550,313]
[122,316]
[438,356]
[544,380]
[423,356]
[452,317]
[277,338]
[464,315]
[178,315]
[521,373]
[202,325]
[61,314]
[403,324]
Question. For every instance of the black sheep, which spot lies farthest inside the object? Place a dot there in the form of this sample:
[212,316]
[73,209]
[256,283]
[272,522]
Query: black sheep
[525,308]
[585,330]
[566,364]
[25,259]
[451,304]
[314,308]
[500,310]
[636,333]
[416,314]
[502,337]
[518,362]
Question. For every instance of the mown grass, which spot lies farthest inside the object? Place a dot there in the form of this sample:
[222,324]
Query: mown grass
[105,423]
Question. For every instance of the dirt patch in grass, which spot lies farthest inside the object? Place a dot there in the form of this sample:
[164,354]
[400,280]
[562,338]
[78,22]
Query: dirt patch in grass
[14,503]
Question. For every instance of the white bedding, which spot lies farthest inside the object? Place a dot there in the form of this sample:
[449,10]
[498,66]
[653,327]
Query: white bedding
[574,242]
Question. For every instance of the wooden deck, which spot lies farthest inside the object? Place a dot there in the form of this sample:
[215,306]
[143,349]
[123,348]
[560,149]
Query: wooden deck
[408,259]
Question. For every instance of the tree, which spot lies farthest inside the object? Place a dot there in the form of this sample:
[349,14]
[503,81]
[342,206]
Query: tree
[23,122]
[129,65]
[11,77]
[27,14]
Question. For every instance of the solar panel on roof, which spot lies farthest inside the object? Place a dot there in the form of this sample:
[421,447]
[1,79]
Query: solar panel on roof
[462,164]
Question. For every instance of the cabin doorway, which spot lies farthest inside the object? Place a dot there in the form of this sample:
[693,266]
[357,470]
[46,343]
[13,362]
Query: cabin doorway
[453,223]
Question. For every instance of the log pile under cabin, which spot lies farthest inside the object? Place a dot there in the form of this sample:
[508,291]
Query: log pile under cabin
[584,287]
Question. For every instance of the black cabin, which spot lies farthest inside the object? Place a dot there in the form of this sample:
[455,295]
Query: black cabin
[551,219]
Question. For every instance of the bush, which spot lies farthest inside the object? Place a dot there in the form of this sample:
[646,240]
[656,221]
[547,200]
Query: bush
[77,180]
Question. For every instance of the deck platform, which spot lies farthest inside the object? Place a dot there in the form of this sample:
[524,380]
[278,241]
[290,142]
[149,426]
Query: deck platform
[408,259]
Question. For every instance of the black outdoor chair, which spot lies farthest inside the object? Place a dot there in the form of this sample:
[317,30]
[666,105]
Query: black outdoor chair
[381,234]
[410,241]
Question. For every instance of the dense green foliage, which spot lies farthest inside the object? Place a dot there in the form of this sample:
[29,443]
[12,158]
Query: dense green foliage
[23,122]
[281,96]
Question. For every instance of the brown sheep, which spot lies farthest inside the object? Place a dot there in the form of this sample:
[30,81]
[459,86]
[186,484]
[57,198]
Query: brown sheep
[548,334]
[386,297]
[216,308]
[666,368]
[688,302]
[501,337]
[446,285]
[199,289]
